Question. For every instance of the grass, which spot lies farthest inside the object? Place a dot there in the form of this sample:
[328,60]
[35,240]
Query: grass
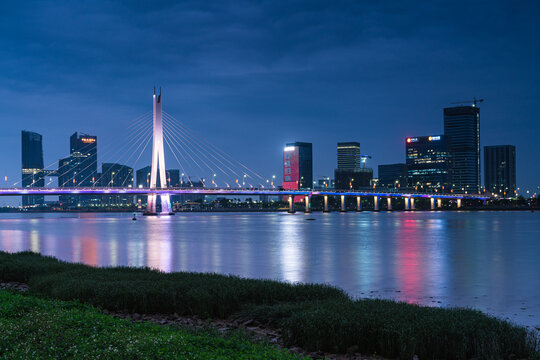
[395,329]
[314,317]
[148,291]
[35,328]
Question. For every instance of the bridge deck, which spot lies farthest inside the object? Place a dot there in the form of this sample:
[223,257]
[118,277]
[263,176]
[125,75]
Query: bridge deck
[228,191]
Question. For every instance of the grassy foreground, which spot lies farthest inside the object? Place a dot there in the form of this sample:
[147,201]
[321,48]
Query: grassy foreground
[314,317]
[35,328]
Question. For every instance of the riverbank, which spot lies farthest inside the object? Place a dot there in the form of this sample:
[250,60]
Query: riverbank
[316,318]
[34,328]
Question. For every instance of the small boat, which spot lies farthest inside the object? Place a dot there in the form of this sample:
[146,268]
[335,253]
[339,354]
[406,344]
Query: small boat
[310,219]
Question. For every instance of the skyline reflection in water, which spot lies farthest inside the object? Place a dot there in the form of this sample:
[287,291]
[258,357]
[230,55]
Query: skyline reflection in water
[485,260]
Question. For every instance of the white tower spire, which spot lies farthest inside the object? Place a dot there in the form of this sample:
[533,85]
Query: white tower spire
[158,163]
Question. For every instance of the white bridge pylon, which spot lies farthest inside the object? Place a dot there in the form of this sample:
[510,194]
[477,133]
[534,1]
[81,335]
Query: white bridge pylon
[158,164]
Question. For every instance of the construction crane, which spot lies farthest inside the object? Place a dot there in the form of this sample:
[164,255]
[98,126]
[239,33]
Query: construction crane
[363,159]
[474,101]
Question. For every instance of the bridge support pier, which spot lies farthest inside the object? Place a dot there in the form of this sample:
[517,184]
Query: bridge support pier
[291,204]
[458,203]
[407,203]
[325,209]
[358,204]
[439,203]
[307,210]
[343,208]
[389,204]
[375,203]
[412,204]
[158,163]
[432,203]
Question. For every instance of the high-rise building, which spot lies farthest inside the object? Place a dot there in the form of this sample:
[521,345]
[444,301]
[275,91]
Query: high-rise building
[83,151]
[428,162]
[348,156]
[298,166]
[116,176]
[351,172]
[33,174]
[393,176]
[462,128]
[79,169]
[500,170]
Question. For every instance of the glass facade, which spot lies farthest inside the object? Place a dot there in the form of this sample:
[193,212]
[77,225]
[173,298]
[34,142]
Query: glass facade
[33,174]
[462,128]
[393,176]
[79,169]
[348,156]
[500,170]
[428,162]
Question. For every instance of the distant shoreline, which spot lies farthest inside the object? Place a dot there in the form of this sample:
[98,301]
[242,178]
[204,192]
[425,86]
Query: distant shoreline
[244,210]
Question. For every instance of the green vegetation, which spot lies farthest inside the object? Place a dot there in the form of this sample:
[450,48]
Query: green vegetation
[35,328]
[314,317]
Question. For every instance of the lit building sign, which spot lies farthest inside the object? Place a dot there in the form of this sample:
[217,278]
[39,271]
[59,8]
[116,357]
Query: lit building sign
[410,140]
[434,138]
[289,148]
[88,140]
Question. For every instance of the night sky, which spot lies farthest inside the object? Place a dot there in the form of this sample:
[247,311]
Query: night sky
[251,76]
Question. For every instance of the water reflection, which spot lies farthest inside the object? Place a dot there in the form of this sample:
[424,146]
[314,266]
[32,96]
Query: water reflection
[291,258]
[483,260]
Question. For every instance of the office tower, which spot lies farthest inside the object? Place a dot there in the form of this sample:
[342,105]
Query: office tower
[348,156]
[351,172]
[462,128]
[428,162]
[33,174]
[116,176]
[500,170]
[79,170]
[393,176]
[298,166]
[83,151]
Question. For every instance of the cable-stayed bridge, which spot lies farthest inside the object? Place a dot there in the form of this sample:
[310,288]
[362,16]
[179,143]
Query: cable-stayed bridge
[77,175]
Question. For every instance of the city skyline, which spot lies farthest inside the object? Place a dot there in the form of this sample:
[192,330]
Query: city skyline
[229,101]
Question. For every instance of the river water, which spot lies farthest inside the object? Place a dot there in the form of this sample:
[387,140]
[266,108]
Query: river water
[484,260]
